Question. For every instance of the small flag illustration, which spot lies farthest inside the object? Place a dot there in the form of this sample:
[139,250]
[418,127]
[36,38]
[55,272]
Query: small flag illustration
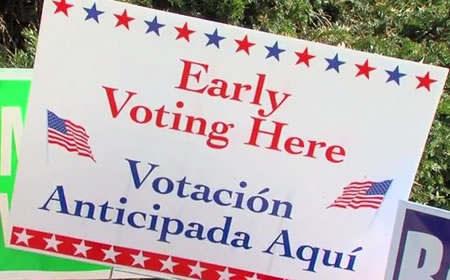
[362,195]
[71,136]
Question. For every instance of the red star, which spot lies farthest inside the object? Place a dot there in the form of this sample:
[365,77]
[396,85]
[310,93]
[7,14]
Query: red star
[184,32]
[244,45]
[425,81]
[364,69]
[123,19]
[304,57]
[63,7]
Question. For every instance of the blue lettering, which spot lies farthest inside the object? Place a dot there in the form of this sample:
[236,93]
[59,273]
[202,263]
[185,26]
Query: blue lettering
[217,197]
[195,232]
[337,260]
[59,191]
[285,243]
[157,185]
[241,242]
[132,221]
[220,234]
[311,259]
[79,207]
[201,195]
[167,222]
[135,174]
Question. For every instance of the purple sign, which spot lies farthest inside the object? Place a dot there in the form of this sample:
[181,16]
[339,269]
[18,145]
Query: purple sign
[421,244]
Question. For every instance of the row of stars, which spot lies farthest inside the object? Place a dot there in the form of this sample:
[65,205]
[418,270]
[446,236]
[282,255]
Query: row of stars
[139,260]
[274,51]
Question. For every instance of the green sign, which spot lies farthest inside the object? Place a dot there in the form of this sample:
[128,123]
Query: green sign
[14,88]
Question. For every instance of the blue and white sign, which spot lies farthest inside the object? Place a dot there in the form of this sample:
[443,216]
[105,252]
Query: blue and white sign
[421,244]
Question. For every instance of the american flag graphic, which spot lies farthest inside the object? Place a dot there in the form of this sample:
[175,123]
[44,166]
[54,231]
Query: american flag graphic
[71,136]
[362,195]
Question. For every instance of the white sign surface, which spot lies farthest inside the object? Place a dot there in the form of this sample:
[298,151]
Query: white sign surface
[186,147]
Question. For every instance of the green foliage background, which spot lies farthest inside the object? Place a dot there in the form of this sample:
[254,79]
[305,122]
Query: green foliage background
[416,30]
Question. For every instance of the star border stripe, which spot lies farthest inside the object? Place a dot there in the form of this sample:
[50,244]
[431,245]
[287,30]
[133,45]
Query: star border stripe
[245,45]
[126,257]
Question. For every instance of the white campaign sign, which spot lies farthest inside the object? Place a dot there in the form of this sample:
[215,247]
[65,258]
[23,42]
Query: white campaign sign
[196,149]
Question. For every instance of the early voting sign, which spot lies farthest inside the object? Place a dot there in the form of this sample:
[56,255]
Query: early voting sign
[421,244]
[194,149]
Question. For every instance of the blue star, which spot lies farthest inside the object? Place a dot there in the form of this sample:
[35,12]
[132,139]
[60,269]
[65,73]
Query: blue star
[395,75]
[334,63]
[153,26]
[214,39]
[93,13]
[274,51]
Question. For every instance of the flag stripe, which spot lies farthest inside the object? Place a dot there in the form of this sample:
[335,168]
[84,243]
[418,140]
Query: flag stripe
[357,201]
[71,136]
[367,194]
[364,206]
[62,144]
[82,134]
[361,183]
[79,136]
[76,126]
[62,137]
[356,188]
[68,146]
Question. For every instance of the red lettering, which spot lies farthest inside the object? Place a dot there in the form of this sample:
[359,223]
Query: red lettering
[312,148]
[294,142]
[237,91]
[220,90]
[112,100]
[147,114]
[259,89]
[177,117]
[294,145]
[159,116]
[273,103]
[187,73]
[331,151]
[217,135]
[201,125]
[275,134]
